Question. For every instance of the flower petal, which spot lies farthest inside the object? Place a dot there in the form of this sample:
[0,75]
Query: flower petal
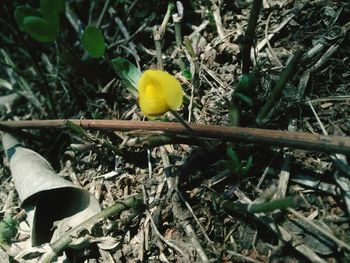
[170,87]
[151,101]
[159,92]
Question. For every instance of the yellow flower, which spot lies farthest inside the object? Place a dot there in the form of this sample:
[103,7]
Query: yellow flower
[158,93]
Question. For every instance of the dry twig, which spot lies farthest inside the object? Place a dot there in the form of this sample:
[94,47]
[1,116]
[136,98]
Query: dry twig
[315,142]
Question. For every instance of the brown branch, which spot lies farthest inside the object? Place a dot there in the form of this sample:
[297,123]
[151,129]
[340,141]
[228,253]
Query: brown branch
[336,144]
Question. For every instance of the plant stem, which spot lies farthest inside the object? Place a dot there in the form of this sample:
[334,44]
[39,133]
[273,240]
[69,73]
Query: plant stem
[183,122]
[262,207]
[177,19]
[249,35]
[59,245]
[166,19]
[203,143]
[158,33]
[156,140]
[189,47]
[157,41]
[234,111]
[301,140]
[276,93]
[102,13]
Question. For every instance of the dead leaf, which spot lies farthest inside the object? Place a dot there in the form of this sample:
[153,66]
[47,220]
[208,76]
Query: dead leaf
[46,197]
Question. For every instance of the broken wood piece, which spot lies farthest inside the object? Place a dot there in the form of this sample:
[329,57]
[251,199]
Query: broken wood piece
[301,140]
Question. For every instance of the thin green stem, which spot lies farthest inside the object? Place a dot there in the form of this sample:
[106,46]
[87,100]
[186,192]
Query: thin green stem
[158,33]
[276,93]
[189,47]
[178,37]
[205,144]
[158,45]
[166,19]
[249,35]
[134,203]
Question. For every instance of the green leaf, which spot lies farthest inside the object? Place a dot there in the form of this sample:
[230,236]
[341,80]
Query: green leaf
[93,41]
[187,74]
[247,84]
[4,83]
[22,12]
[51,7]
[232,155]
[234,113]
[76,129]
[8,230]
[128,72]
[39,29]
[243,98]
[51,10]
[248,165]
